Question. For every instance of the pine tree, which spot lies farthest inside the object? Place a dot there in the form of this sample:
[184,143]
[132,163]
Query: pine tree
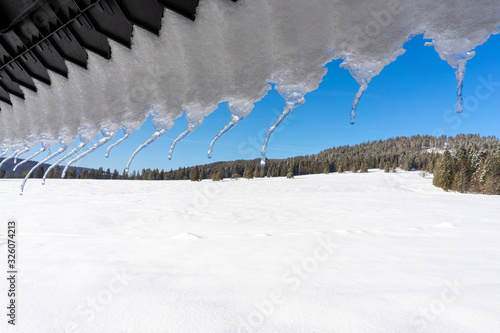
[444,173]
[364,167]
[195,174]
[355,167]
[218,175]
[258,171]
[248,173]
[39,172]
[289,175]
[341,167]
[326,168]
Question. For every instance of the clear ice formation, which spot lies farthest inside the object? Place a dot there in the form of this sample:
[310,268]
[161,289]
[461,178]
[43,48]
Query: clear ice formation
[64,158]
[19,153]
[238,112]
[190,128]
[293,99]
[126,135]
[8,158]
[461,61]
[235,119]
[149,141]
[161,125]
[194,66]
[357,99]
[41,150]
[107,136]
[45,160]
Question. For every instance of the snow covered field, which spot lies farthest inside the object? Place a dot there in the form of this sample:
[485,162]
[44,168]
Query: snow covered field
[369,252]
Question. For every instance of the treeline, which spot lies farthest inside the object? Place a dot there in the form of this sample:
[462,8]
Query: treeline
[73,173]
[465,163]
[470,170]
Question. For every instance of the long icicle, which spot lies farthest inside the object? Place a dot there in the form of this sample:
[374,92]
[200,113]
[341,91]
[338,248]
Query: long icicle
[236,118]
[191,127]
[460,63]
[48,158]
[125,137]
[177,140]
[62,159]
[25,150]
[460,85]
[41,150]
[357,99]
[8,158]
[152,139]
[108,137]
[293,100]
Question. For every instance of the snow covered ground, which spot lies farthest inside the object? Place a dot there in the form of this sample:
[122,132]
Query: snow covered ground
[369,252]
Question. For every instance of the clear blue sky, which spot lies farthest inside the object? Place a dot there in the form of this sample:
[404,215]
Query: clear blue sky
[414,95]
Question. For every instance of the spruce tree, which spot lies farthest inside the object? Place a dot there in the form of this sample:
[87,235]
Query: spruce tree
[195,174]
[341,167]
[248,173]
[39,172]
[326,168]
[218,175]
[444,173]
[257,171]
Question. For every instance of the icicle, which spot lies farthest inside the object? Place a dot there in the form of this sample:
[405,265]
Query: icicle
[460,74]
[64,158]
[177,139]
[25,150]
[152,139]
[41,150]
[107,136]
[293,100]
[125,137]
[161,125]
[459,61]
[48,158]
[357,99]
[8,158]
[235,119]
[238,112]
[191,127]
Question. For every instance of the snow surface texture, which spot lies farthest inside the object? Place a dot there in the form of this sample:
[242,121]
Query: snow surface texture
[231,53]
[369,252]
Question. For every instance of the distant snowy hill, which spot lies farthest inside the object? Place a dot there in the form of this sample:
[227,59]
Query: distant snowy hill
[9,166]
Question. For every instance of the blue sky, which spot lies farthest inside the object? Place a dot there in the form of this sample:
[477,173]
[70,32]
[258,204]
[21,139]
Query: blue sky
[414,95]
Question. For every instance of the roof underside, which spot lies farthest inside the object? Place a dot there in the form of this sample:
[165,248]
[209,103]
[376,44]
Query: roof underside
[41,35]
